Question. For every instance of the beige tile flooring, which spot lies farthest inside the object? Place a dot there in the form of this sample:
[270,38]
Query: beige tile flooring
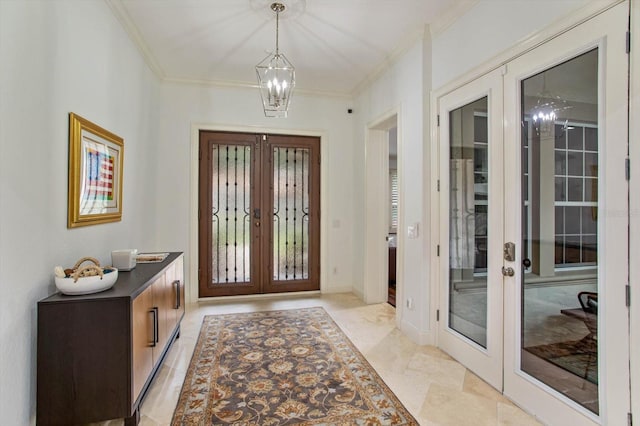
[437,390]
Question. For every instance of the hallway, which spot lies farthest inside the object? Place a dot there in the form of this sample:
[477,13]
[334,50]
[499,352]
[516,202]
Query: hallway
[437,390]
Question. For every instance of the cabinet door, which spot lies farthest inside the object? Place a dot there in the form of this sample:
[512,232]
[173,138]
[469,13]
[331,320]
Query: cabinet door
[175,280]
[142,315]
[162,306]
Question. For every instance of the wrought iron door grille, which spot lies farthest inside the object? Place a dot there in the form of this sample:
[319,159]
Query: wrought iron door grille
[231,214]
[290,213]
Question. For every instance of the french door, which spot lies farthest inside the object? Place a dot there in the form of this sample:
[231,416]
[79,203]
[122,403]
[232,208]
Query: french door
[536,223]
[259,213]
[471,181]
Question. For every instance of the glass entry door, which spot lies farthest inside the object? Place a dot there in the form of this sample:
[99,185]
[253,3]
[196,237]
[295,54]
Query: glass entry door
[566,321]
[471,182]
[534,220]
[259,224]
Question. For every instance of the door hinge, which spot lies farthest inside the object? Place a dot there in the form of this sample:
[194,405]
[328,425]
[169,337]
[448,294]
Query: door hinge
[438,315]
[438,250]
[438,120]
[627,295]
[627,168]
[629,419]
[199,214]
[438,185]
[628,42]
[200,154]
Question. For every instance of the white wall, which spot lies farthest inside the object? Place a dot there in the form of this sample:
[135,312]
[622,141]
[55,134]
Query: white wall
[489,28]
[239,109]
[59,57]
[401,88]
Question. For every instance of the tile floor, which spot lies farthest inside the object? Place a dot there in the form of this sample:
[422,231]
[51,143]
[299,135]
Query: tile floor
[437,390]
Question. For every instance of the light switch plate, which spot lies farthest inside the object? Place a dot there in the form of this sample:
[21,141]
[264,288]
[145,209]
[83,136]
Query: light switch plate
[412,231]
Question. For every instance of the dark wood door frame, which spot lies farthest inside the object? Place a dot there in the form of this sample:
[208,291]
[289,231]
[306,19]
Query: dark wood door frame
[260,214]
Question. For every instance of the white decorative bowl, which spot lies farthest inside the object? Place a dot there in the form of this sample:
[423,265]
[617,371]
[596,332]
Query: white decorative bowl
[87,285]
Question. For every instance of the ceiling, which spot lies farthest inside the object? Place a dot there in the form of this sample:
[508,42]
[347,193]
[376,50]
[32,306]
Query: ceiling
[336,46]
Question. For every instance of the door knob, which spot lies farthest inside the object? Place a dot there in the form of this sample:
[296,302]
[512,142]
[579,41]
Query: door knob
[508,272]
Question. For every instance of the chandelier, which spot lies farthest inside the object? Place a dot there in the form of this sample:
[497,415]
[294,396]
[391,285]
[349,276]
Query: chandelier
[545,112]
[276,77]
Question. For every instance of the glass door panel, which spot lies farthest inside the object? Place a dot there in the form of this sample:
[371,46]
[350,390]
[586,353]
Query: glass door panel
[560,223]
[231,214]
[468,210]
[290,214]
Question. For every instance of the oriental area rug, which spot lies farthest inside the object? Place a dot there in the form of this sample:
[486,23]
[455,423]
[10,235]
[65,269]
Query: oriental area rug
[292,367]
[579,357]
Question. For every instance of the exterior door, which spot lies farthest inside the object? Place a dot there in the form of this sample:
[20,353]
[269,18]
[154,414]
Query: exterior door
[566,211]
[471,200]
[259,215]
[535,226]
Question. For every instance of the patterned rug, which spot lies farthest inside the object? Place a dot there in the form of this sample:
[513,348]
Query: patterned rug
[579,357]
[282,368]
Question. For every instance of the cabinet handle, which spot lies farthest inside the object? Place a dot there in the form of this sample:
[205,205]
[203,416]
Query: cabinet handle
[157,325]
[177,284]
[154,312]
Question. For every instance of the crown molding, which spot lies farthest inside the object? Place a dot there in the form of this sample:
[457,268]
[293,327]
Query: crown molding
[439,25]
[409,41]
[445,19]
[125,20]
[253,86]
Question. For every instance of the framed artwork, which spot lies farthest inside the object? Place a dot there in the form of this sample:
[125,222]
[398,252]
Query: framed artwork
[96,157]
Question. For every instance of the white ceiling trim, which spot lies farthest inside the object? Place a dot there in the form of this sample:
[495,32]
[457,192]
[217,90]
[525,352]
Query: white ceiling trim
[449,16]
[122,15]
[246,85]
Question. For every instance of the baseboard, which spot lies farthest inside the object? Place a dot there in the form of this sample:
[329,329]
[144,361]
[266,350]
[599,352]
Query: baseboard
[417,336]
[338,289]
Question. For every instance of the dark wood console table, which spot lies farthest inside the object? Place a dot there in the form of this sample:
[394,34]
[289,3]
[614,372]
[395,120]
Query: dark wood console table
[98,353]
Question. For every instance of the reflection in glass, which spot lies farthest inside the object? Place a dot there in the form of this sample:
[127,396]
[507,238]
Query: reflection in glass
[560,228]
[468,213]
[290,214]
[230,220]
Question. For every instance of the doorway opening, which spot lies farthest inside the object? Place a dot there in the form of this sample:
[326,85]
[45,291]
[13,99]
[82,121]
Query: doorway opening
[393,214]
[383,245]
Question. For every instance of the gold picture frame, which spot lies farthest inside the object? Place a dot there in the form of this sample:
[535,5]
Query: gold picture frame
[96,158]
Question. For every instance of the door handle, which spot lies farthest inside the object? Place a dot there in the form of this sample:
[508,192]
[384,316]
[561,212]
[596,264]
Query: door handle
[508,272]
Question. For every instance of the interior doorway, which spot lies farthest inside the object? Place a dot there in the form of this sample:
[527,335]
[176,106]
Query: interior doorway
[383,245]
[394,196]
[259,213]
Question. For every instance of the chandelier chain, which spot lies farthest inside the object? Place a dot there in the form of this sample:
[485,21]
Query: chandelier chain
[277,30]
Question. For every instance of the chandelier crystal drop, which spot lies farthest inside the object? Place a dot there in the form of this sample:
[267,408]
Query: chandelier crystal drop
[276,77]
